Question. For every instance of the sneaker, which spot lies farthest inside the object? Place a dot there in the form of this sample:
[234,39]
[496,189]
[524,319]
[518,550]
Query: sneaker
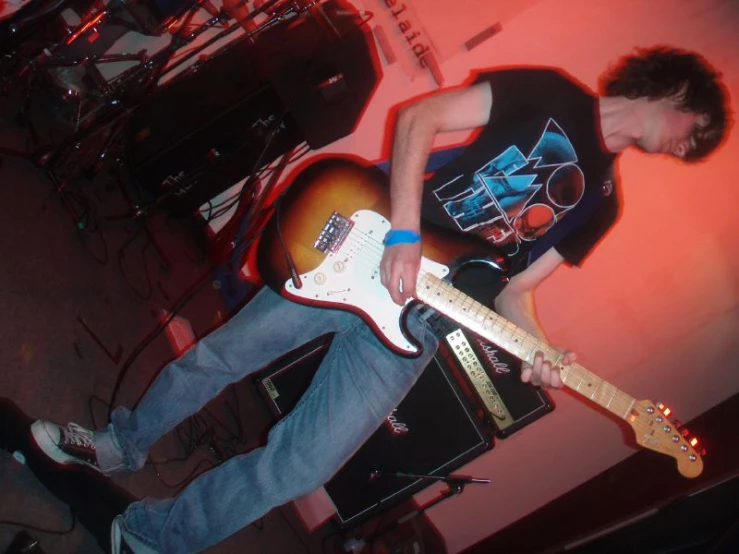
[118,544]
[65,445]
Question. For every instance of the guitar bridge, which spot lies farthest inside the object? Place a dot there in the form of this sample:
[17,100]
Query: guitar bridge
[333,234]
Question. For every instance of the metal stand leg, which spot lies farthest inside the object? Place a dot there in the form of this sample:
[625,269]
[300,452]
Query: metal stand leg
[139,215]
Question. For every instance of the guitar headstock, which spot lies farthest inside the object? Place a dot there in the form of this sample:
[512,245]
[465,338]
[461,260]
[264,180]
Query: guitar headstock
[654,430]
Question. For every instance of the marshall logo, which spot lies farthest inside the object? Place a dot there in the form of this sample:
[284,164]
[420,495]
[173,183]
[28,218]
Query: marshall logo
[492,355]
[396,427]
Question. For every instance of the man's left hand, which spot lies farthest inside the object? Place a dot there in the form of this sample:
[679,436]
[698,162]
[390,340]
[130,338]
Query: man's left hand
[542,374]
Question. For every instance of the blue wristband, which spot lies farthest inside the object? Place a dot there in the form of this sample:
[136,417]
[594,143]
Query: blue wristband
[401,236]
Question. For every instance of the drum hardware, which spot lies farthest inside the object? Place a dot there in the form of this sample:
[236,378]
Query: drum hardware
[29,68]
[125,92]
[288,10]
[100,130]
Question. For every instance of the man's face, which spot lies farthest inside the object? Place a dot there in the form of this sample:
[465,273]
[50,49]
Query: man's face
[670,130]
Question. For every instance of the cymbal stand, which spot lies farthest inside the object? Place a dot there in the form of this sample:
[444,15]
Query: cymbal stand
[157,67]
[287,10]
[14,33]
[456,484]
[129,89]
[140,211]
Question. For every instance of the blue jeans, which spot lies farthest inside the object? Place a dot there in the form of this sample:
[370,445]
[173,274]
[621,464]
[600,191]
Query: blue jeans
[356,387]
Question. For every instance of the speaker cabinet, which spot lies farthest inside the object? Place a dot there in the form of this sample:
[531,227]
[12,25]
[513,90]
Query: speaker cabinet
[206,129]
[324,65]
[490,375]
[433,431]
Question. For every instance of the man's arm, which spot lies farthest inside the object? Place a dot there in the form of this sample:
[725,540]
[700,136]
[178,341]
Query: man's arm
[415,130]
[516,304]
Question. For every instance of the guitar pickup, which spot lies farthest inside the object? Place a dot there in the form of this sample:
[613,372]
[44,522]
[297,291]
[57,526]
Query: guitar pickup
[333,234]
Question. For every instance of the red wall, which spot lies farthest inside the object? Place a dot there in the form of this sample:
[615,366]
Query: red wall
[654,310]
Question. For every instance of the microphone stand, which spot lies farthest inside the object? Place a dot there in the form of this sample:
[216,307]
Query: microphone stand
[456,484]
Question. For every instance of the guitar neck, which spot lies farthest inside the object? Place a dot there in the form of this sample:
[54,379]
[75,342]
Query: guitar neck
[480,319]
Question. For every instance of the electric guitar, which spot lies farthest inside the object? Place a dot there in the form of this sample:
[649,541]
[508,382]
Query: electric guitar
[331,223]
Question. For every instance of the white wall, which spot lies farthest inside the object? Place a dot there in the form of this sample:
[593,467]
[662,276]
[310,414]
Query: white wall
[654,310]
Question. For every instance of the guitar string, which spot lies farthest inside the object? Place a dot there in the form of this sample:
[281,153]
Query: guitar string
[627,405]
[366,250]
[617,402]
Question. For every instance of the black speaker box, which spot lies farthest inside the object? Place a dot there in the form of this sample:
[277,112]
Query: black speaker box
[433,431]
[501,398]
[205,131]
[324,65]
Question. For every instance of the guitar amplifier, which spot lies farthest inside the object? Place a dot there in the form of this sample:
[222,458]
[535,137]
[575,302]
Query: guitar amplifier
[493,381]
[492,376]
[433,431]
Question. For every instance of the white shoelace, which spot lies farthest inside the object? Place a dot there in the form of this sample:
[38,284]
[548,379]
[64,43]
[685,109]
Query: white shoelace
[78,436]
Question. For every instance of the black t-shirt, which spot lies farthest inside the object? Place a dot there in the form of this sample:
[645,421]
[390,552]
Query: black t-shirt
[536,176]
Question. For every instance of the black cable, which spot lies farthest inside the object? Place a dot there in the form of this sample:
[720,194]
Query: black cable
[241,244]
[184,298]
[223,207]
[184,482]
[92,412]
[42,529]
[143,296]
[84,213]
[258,169]
[231,434]
[237,414]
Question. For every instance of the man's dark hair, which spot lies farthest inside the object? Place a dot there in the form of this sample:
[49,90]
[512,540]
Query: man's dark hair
[661,72]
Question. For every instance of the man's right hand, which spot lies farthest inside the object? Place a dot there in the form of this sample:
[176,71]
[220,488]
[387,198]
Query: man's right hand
[399,270]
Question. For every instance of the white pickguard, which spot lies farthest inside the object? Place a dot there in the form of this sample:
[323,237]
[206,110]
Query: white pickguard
[351,276]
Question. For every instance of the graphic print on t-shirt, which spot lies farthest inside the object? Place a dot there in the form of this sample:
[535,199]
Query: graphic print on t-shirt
[514,197]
